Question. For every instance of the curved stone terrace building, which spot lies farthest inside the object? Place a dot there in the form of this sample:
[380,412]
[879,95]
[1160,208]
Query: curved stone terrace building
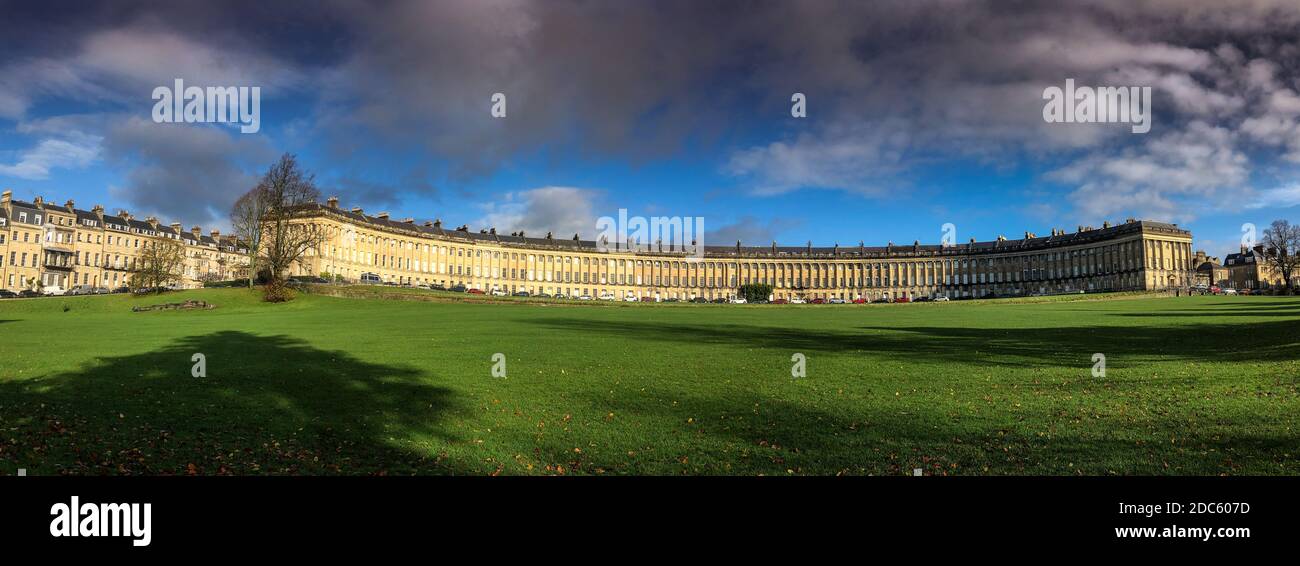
[1134,255]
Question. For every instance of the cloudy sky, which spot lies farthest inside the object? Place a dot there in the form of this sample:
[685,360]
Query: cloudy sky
[919,113]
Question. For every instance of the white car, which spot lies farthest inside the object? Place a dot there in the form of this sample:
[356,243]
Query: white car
[836,301]
[737,300]
[606,297]
[584,297]
[631,299]
[798,301]
[498,293]
[54,291]
[1225,292]
[941,299]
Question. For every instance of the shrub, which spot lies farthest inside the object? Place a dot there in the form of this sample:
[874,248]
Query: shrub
[277,292]
[754,292]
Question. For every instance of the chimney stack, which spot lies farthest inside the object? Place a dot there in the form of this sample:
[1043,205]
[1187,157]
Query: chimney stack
[38,201]
[216,234]
[6,196]
[198,232]
[177,227]
[356,210]
[382,216]
[70,205]
[332,202]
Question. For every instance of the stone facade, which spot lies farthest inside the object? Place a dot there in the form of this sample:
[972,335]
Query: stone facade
[64,246]
[1135,255]
[1249,269]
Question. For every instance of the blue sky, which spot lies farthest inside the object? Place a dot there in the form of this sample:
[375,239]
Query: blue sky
[672,108]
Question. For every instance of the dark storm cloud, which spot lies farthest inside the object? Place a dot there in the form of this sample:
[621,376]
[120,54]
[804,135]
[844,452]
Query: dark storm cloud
[184,172]
[892,85]
[358,190]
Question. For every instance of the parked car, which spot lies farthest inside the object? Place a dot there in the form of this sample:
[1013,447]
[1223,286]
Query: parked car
[7,294]
[437,287]
[836,301]
[902,300]
[521,294]
[474,291]
[54,291]
[720,301]
[28,293]
[371,278]
[672,300]
[780,302]
[584,297]
[459,289]
[737,300]
[859,301]
[699,300]
[82,290]
[543,295]
[308,279]
[647,299]
[122,289]
[630,299]
[941,299]
[921,299]
[498,293]
[102,291]
[817,301]
[561,296]
[606,296]
[1229,291]
[798,301]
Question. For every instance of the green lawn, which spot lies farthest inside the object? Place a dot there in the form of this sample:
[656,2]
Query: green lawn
[324,385]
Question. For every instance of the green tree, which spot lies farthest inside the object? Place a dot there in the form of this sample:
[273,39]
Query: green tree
[754,292]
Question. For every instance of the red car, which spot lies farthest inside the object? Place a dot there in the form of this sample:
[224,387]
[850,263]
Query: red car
[859,301]
[818,301]
[474,291]
[903,300]
[647,299]
[780,302]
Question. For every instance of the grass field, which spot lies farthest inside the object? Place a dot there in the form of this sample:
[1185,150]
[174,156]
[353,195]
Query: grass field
[326,385]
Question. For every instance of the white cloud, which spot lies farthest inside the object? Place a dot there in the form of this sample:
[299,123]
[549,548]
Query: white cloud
[856,158]
[35,163]
[1152,179]
[1279,197]
[563,211]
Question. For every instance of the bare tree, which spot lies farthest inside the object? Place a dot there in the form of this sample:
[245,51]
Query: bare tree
[247,216]
[1282,249]
[161,263]
[286,238]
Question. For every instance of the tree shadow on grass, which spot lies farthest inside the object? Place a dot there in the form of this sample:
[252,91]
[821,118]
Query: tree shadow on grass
[267,405]
[748,434]
[1066,346]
